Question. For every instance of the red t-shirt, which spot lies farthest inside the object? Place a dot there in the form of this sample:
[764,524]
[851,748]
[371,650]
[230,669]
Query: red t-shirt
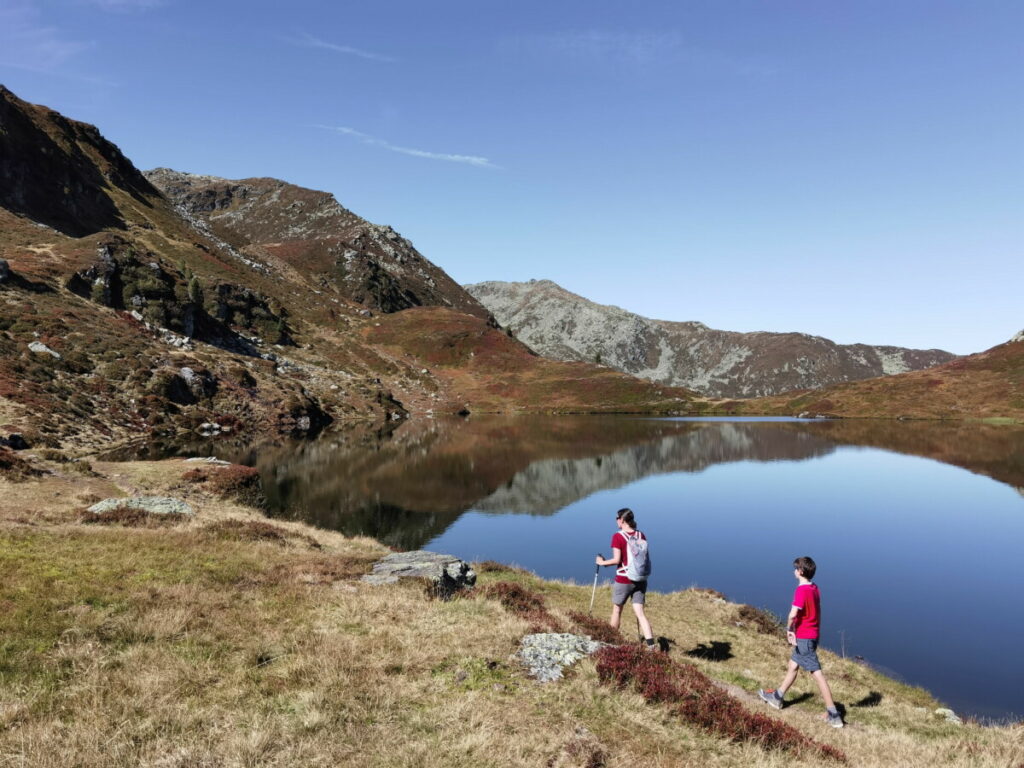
[619,542]
[808,600]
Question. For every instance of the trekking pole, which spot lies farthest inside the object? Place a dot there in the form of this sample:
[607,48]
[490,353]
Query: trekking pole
[593,592]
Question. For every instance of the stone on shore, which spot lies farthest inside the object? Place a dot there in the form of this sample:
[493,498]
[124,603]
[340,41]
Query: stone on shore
[154,505]
[446,573]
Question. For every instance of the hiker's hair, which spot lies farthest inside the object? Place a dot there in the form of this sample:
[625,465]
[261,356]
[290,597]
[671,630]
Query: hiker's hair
[806,567]
[626,515]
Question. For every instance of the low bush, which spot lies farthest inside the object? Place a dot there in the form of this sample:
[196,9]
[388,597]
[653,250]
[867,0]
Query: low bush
[131,517]
[694,698]
[598,629]
[257,530]
[765,622]
[15,468]
[528,605]
[235,482]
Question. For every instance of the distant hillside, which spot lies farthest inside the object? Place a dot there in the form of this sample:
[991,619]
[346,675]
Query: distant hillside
[252,306]
[988,385]
[563,326]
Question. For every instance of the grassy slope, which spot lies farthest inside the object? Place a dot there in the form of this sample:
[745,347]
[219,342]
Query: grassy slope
[988,385]
[492,372]
[195,646]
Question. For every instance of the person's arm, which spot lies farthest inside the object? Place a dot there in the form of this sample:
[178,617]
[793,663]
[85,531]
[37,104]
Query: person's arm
[794,611]
[615,559]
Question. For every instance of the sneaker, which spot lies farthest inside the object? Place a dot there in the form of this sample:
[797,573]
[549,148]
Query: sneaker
[650,646]
[770,697]
[836,720]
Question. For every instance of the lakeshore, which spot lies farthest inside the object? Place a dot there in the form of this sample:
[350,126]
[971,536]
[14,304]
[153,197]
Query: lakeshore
[227,639]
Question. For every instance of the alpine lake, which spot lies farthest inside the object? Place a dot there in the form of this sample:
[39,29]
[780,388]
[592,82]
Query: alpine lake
[917,527]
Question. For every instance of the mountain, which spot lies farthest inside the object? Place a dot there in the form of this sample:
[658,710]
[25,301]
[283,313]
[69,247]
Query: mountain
[563,326]
[134,306]
[309,235]
[987,385]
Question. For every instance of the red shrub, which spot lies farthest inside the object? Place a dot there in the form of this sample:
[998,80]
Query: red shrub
[698,701]
[598,629]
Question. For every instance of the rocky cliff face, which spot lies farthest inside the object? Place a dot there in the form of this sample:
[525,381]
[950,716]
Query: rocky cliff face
[562,325]
[309,234]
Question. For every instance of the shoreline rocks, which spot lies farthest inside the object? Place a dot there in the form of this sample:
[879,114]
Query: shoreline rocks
[446,573]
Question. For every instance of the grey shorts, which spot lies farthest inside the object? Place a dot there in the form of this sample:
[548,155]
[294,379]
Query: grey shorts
[806,655]
[621,592]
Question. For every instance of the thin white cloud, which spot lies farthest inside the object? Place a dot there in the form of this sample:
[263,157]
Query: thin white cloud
[638,50]
[479,162]
[308,41]
[27,43]
[125,6]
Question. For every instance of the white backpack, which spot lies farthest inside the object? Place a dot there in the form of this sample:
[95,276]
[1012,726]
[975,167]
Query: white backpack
[638,567]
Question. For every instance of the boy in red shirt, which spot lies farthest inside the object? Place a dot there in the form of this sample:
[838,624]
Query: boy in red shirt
[802,633]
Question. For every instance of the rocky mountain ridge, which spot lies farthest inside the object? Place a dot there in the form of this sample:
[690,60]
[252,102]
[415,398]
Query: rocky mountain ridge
[564,326]
[223,307]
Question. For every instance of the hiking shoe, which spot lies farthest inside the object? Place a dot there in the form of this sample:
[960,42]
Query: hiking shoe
[836,720]
[770,697]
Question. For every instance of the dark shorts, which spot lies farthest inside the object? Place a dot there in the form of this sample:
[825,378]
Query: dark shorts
[622,592]
[806,655]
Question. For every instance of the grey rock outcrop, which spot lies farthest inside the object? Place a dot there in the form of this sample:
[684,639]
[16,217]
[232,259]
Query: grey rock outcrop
[447,574]
[563,326]
[154,505]
[1018,337]
[547,654]
[41,349]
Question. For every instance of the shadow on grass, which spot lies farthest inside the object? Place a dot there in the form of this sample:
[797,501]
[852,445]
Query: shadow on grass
[713,651]
[873,699]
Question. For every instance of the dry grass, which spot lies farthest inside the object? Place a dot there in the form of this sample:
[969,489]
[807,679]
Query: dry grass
[222,643]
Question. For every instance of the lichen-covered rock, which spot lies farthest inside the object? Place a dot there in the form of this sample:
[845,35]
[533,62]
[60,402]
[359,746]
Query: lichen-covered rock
[41,349]
[1018,337]
[949,714]
[447,573]
[547,654]
[156,505]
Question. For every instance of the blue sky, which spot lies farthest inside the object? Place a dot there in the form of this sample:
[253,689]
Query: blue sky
[852,170]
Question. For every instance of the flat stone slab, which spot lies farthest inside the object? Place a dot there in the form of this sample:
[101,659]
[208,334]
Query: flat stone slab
[156,505]
[547,654]
[447,572]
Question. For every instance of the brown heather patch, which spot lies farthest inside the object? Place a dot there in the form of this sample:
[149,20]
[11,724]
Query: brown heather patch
[524,603]
[16,469]
[714,593]
[235,482]
[598,629]
[693,697]
[763,621]
[131,517]
[257,530]
[492,566]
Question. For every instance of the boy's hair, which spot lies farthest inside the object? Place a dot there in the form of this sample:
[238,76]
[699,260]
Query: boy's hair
[626,514]
[806,567]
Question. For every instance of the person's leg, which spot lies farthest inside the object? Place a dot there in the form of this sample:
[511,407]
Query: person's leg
[645,625]
[826,692]
[616,616]
[789,679]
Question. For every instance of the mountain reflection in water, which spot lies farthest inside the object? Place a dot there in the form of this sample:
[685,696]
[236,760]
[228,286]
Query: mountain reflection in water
[406,487]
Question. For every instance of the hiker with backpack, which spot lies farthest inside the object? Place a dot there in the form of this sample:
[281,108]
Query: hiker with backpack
[633,566]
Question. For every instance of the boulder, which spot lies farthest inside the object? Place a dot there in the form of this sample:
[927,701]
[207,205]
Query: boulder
[546,654]
[5,271]
[446,573]
[155,505]
[949,715]
[41,349]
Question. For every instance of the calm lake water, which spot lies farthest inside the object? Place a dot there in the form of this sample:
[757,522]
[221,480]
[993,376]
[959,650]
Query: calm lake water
[917,528]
